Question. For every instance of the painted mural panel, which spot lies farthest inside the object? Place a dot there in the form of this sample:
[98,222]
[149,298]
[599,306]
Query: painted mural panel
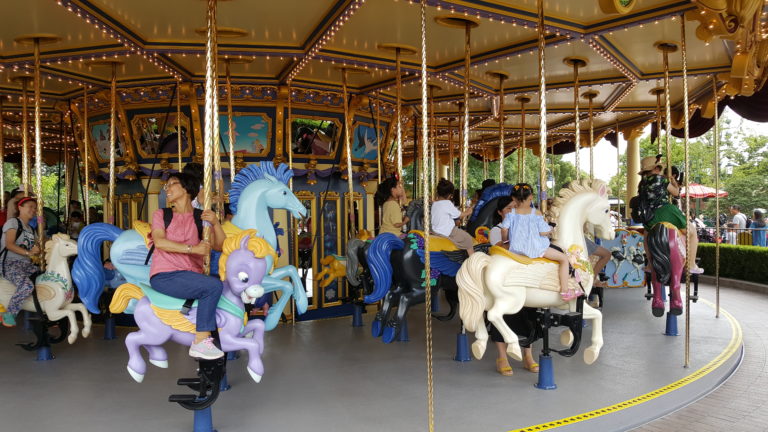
[365,141]
[627,264]
[100,140]
[252,133]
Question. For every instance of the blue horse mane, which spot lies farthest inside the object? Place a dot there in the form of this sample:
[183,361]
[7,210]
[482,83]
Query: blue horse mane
[255,172]
[495,191]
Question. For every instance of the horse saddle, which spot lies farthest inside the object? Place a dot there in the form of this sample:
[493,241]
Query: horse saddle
[144,229]
[438,243]
[522,259]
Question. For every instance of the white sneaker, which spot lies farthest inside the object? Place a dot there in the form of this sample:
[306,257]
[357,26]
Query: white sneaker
[205,350]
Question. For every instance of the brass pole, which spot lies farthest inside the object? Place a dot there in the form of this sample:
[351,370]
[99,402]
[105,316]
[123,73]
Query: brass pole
[576,118]
[112,144]
[668,111]
[688,257]
[591,96]
[86,139]
[24,136]
[178,121]
[39,156]
[231,122]
[542,109]
[521,149]
[502,151]
[425,202]
[348,151]
[211,112]
[465,143]
[399,115]
[2,155]
[618,165]
[378,138]
[452,162]
[289,135]
[67,174]
[658,122]
[432,160]
[717,198]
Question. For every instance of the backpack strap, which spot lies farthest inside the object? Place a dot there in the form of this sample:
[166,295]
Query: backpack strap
[168,218]
[4,250]
[198,215]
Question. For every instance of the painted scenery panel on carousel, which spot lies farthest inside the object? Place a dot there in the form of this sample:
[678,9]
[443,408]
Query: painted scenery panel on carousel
[252,133]
[626,267]
[306,247]
[331,241]
[315,136]
[100,140]
[365,141]
[151,140]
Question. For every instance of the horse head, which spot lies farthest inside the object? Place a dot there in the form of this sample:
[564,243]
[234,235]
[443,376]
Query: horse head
[264,183]
[415,212]
[243,264]
[583,202]
[59,246]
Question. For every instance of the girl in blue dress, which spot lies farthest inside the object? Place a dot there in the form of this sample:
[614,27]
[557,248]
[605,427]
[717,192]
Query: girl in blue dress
[528,234]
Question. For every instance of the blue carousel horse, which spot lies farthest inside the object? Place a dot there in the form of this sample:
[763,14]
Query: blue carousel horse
[256,189]
[397,266]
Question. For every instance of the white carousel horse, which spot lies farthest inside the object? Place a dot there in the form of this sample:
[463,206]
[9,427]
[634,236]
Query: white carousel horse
[54,288]
[503,283]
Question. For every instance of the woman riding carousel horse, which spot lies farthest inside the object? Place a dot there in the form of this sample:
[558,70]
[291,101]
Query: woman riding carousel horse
[177,264]
[18,245]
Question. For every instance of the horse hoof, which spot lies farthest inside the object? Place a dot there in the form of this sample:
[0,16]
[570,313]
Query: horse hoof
[376,328]
[675,310]
[135,375]
[72,338]
[86,332]
[388,335]
[478,349]
[566,338]
[163,364]
[256,377]
[513,350]
[657,312]
[590,355]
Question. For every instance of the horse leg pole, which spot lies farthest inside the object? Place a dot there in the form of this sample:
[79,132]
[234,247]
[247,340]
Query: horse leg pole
[546,368]
[462,344]
[203,421]
[357,314]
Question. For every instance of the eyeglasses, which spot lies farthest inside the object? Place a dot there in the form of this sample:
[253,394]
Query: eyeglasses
[168,185]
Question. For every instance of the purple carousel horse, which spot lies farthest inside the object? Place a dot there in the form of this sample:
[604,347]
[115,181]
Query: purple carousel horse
[667,252]
[242,267]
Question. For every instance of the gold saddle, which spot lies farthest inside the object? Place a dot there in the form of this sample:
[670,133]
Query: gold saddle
[522,259]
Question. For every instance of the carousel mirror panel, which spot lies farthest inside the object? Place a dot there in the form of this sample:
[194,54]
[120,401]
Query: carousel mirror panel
[315,136]
[330,235]
[305,247]
[152,138]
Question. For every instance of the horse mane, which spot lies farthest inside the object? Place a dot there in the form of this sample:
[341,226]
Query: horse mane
[574,188]
[255,172]
[49,245]
[256,244]
[495,191]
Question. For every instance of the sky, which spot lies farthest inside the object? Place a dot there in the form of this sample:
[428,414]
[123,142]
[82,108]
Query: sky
[605,153]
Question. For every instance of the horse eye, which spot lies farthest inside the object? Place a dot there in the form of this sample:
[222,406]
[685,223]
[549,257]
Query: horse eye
[243,277]
[285,193]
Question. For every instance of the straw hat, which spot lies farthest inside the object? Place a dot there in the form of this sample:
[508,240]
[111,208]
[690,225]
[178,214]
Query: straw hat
[649,163]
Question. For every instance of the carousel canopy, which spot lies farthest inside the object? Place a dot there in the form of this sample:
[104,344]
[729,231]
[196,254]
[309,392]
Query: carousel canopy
[701,191]
[304,41]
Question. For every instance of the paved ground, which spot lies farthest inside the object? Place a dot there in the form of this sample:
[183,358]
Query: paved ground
[741,403]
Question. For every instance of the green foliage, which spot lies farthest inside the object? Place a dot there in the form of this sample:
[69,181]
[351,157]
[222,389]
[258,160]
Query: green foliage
[736,262]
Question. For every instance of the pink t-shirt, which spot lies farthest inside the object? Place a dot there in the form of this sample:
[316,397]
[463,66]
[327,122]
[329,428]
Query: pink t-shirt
[181,230]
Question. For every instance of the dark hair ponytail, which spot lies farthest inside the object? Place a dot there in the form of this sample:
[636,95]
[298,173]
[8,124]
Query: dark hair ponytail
[521,192]
[384,191]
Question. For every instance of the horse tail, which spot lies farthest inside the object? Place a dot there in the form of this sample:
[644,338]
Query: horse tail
[353,248]
[658,246]
[378,262]
[123,295]
[471,290]
[88,271]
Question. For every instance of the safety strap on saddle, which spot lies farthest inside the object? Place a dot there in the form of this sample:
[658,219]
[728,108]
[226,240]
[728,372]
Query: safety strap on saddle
[187,306]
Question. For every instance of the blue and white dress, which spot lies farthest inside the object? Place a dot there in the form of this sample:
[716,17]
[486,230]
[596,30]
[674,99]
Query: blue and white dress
[524,234]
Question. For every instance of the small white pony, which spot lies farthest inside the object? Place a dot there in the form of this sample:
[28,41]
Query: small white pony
[502,284]
[54,288]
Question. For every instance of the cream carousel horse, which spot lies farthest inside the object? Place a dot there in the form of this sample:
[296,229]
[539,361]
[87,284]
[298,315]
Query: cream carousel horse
[503,282]
[54,288]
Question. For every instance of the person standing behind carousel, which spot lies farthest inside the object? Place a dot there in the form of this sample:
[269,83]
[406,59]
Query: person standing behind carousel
[388,196]
[177,263]
[18,245]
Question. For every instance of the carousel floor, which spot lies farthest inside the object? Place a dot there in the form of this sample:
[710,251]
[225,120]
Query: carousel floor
[328,376]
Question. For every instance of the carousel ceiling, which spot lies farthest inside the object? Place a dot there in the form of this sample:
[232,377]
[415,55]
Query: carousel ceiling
[304,42]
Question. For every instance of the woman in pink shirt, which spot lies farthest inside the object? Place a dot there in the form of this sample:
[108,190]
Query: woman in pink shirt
[177,263]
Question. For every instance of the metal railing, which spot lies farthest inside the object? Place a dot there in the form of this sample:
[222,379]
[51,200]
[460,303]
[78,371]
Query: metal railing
[735,236]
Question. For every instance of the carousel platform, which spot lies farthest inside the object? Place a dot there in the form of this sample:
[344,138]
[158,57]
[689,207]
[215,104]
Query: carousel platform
[328,376]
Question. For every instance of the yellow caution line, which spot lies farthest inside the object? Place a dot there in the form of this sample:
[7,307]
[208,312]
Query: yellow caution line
[733,347]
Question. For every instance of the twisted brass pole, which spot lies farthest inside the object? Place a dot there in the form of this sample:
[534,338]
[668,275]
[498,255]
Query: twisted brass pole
[425,203]
[668,112]
[542,109]
[502,152]
[348,152]
[465,142]
[39,156]
[658,122]
[683,51]
[452,162]
[112,143]
[521,149]
[717,197]
[86,139]
[231,122]
[432,160]
[577,119]
[378,138]
[211,112]
[591,141]
[399,115]
[24,137]
[178,121]
[289,135]
[2,155]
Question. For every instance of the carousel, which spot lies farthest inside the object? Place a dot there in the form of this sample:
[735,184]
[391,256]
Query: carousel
[294,112]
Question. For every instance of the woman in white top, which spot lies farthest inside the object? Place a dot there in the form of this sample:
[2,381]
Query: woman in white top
[519,322]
